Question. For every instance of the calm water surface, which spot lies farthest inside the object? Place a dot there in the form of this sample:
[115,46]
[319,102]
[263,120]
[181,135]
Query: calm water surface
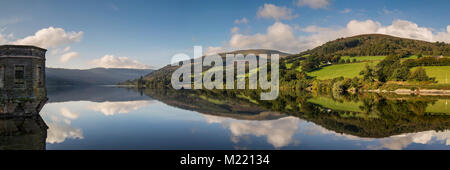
[117,118]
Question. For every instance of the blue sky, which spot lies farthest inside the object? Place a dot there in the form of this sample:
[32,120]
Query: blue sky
[139,34]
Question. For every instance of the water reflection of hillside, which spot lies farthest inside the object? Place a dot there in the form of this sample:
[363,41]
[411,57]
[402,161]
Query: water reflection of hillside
[213,105]
[368,115]
[373,115]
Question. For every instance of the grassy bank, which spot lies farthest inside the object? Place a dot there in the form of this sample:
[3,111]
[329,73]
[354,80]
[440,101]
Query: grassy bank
[441,73]
[345,70]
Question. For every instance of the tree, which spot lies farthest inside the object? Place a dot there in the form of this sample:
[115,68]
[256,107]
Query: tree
[290,75]
[419,74]
[386,67]
[310,64]
[335,59]
[400,74]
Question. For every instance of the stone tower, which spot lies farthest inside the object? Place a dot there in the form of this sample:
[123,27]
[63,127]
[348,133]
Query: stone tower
[22,96]
[22,72]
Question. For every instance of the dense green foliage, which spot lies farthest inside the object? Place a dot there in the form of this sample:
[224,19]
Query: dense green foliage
[386,67]
[427,61]
[346,50]
[311,63]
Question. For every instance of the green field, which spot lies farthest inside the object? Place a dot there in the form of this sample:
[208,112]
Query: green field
[441,73]
[364,58]
[345,70]
[440,106]
[336,105]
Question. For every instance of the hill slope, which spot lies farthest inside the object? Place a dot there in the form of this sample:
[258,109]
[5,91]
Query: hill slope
[162,75]
[377,45]
[95,76]
[370,48]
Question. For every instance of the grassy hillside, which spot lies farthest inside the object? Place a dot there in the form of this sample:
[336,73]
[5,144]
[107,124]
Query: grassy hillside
[441,73]
[162,76]
[345,70]
[326,61]
[440,106]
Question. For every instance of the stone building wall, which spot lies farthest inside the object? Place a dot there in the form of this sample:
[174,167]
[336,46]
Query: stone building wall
[29,59]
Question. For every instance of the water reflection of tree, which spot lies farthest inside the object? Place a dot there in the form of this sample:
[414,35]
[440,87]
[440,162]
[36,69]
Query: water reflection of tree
[381,116]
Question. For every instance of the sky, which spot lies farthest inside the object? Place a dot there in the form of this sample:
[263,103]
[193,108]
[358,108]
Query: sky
[146,34]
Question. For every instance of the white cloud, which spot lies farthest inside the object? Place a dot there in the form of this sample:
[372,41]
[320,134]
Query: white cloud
[234,30]
[346,10]
[110,61]
[241,21]
[50,37]
[58,133]
[278,36]
[355,27]
[68,114]
[407,29]
[68,56]
[214,50]
[112,108]
[270,11]
[315,4]
[443,36]
[59,125]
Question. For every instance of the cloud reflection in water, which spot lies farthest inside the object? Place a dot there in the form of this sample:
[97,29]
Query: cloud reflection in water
[278,132]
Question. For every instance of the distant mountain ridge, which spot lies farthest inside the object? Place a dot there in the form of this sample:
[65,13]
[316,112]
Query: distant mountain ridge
[94,76]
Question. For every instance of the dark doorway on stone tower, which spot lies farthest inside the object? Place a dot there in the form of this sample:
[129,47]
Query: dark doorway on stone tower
[19,75]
